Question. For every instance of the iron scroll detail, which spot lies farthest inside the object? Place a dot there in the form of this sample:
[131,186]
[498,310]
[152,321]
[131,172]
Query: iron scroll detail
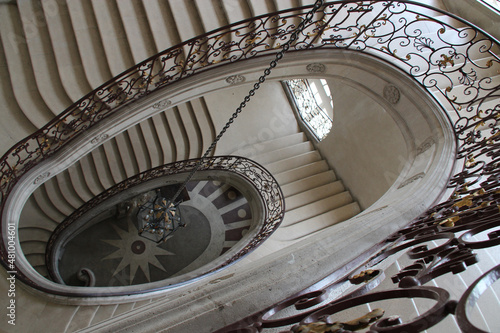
[438,244]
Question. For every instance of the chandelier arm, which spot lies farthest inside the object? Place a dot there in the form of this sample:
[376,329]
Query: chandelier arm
[293,37]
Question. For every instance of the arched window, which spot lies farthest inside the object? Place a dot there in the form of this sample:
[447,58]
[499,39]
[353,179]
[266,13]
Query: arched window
[312,101]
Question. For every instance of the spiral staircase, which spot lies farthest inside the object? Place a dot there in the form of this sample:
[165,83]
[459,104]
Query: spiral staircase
[55,52]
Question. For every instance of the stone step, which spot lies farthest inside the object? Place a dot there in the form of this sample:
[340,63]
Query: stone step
[33,234]
[36,259]
[78,183]
[308,183]
[137,30]
[139,153]
[113,36]
[318,207]
[179,137]
[90,175]
[42,58]
[260,7]
[23,84]
[164,137]
[103,167]
[42,270]
[293,162]
[89,42]
[186,21]
[65,186]
[284,153]
[300,230]
[151,142]
[260,148]
[191,130]
[46,206]
[312,195]
[161,23]
[212,17]
[34,246]
[308,170]
[57,198]
[67,56]
[205,124]
[33,216]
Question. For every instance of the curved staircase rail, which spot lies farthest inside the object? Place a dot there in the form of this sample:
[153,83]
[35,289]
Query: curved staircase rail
[454,61]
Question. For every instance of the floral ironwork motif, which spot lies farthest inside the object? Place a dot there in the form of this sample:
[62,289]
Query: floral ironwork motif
[310,112]
[474,211]
[437,50]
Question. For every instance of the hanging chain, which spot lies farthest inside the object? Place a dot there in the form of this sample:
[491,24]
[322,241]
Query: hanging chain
[294,36]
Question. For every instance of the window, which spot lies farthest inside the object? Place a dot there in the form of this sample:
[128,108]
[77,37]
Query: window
[313,102]
[495,4]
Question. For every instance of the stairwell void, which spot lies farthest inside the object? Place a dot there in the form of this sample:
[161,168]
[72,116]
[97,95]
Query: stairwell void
[324,183]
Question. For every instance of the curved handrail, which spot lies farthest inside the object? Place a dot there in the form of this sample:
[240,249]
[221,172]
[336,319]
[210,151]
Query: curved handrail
[442,58]
[256,176]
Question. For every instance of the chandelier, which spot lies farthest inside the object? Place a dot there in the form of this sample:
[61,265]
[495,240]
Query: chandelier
[159,218]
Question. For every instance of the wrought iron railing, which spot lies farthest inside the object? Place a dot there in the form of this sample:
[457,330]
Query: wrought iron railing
[273,205]
[454,61]
[453,224]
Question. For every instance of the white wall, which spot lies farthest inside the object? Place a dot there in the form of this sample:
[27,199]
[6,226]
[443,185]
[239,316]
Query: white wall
[267,116]
[365,145]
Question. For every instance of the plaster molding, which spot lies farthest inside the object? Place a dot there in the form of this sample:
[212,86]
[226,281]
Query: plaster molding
[426,145]
[162,104]
[235,79]
[411,180]
[392,94]
[41,178]
[99,139]
[316,67]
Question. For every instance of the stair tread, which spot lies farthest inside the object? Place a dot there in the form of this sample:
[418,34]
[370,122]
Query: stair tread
[307,183]
[271,145]
[300,230]
[293,162]
[283,153]
[295,174]
[313,194]
[316,208]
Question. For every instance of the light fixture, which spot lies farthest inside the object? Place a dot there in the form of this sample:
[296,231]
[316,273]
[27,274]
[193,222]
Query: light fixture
[160,218]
